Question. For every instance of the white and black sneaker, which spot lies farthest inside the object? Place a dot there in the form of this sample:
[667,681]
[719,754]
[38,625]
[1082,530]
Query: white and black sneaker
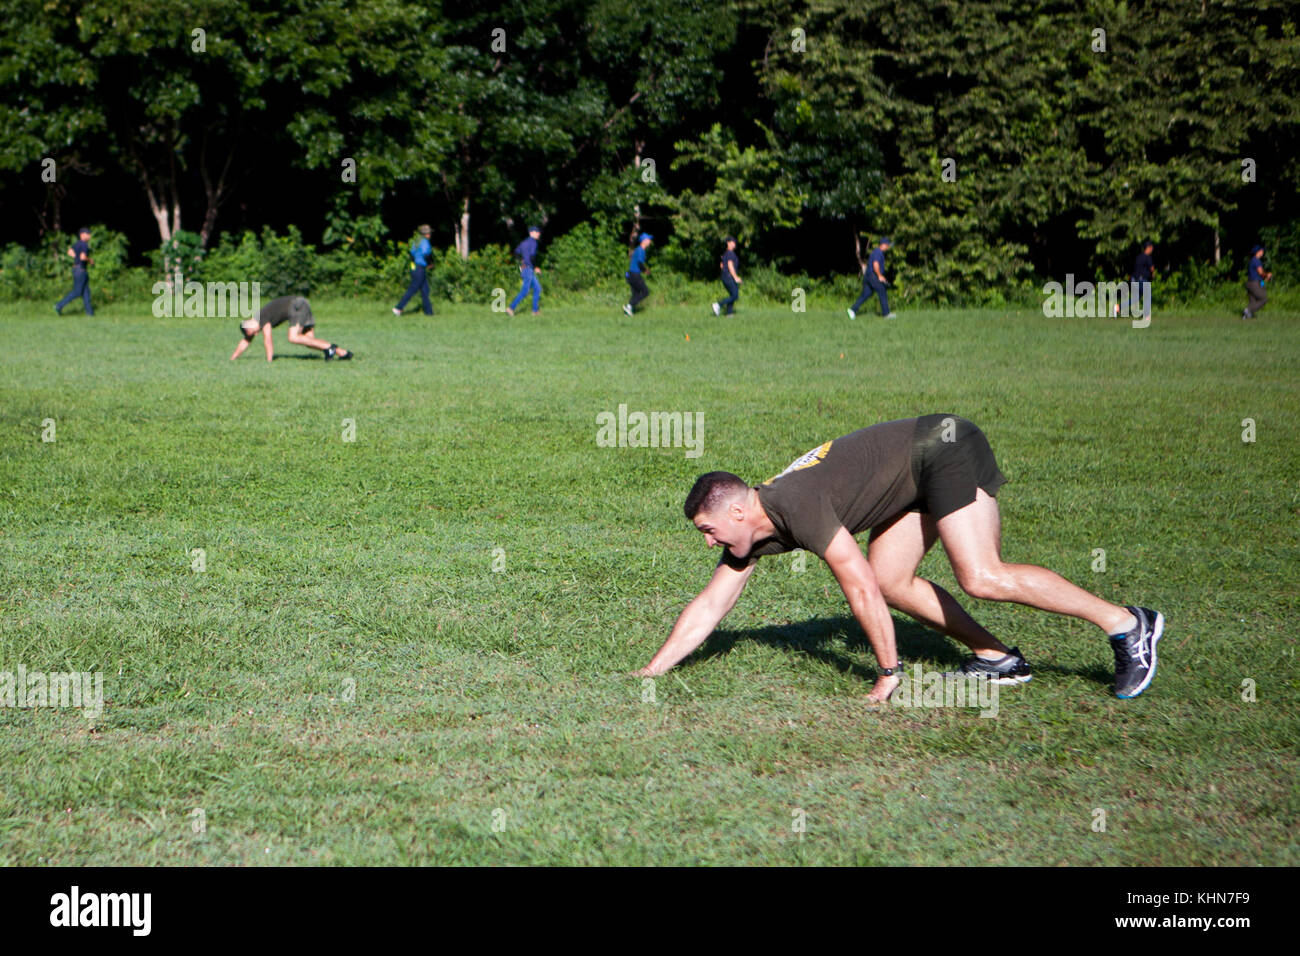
[627,309]
[1011,668]
[1135,653]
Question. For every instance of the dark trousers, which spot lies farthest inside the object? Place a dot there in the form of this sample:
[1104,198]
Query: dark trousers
[1257,298]
[80,287]
[639,290]
[872,286]
[1141,288]
[419,283]
[530,284]
[734,289]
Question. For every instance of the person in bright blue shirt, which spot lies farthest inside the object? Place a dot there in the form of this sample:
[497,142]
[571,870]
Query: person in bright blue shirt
[421,252]
[80,252]
[873,281]
[636,270]
[527,252]
[1255,279]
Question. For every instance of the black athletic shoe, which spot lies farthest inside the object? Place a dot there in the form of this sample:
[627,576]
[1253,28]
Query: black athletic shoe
[1011,668]
[1135,653]
[348,353]
[330,352]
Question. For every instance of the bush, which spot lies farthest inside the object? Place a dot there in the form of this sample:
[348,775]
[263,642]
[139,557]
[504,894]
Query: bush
[284,265]
[580,258]
[356,274]
[472,280]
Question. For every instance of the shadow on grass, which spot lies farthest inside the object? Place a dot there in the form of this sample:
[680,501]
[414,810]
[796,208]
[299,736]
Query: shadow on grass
[816,638]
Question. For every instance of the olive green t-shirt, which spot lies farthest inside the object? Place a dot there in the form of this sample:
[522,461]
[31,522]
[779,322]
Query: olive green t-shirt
[857,482]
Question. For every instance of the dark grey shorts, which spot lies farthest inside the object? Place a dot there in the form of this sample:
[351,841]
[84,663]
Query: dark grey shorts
[951,459]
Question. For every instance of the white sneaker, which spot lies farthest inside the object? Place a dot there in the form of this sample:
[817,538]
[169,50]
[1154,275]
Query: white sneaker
[892,315]
[627,309]
[397,312]
[852,314]
[717,309]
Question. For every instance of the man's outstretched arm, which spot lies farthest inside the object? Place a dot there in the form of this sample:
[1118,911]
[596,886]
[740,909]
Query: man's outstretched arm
[699,618]
[858,581]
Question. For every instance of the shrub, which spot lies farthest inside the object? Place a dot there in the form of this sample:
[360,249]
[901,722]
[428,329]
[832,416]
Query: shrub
[581,257]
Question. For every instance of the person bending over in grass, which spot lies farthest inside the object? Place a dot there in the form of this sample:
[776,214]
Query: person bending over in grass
[295,310]
[910,482]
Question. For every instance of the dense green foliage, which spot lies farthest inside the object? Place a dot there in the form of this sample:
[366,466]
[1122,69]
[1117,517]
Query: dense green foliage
[996,141]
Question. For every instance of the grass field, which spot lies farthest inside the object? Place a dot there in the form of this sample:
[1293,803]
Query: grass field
[350,681]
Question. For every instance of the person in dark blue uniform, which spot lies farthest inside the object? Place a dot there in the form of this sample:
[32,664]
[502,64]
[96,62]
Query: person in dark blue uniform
[636,270]
[420,254]
[1144,270]
[527,252]
[730,279]
[873,281]
[1256,276]
[80,253]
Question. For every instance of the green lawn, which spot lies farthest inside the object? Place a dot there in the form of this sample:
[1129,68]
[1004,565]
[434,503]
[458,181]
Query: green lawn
[351,681]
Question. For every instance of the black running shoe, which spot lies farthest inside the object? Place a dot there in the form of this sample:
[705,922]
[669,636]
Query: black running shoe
[1135,653]
[347,354]
[330,352]
[1012,668]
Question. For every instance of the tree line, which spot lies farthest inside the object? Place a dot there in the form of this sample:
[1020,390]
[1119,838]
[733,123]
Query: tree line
[993,140]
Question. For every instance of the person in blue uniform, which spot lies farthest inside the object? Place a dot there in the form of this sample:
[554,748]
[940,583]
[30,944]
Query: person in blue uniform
[420,254]
[874,282]
[80,253]
[1256,276]
[730,279]
[527,253]
[636,270]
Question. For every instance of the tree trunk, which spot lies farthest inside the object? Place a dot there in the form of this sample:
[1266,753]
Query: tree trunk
[462,228]
[1216,247]
[215,193]
[167,216]
[857,249]
[636,209]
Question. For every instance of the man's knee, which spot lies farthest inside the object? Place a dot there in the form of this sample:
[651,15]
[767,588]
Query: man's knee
[986,583]
[894,589]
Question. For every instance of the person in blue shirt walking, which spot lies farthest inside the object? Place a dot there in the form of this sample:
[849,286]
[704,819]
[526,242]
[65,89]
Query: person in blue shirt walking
[527,252]
[80,252]
[421,252]
[1144,270]
[1255,279]
[636,270]
[873,281]
[730,279]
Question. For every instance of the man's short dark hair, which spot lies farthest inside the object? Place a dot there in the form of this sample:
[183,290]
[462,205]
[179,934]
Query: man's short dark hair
[710,491]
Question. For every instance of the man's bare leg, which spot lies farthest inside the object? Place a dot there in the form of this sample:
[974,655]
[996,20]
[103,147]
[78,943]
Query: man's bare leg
[895,552]
[308,339]
[972,536]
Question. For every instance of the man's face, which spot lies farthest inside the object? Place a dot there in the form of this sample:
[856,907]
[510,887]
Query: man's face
[1260,254]
[731,245]
[1147,248]
[535,233]
[727,527]
[85,235]
[645,243]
